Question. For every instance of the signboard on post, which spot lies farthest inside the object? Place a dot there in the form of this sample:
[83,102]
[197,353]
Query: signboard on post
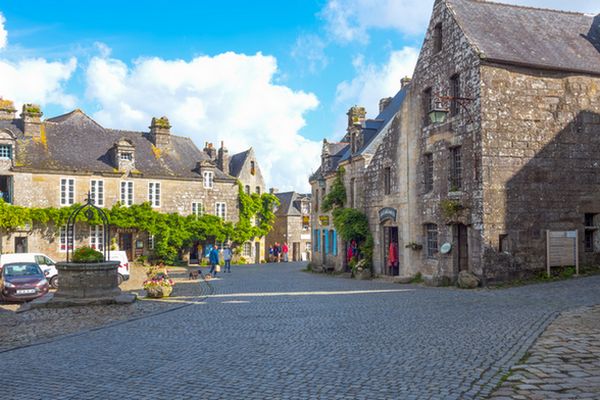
[562,249]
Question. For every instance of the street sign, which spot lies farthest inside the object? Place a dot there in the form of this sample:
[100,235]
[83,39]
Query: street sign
[561,249]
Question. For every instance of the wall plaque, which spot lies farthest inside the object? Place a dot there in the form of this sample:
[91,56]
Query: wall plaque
[324,220]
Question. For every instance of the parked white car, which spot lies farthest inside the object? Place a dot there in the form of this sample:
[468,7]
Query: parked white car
[121,257]
[46,264]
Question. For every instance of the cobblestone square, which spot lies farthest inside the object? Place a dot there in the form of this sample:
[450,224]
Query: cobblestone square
[274,332]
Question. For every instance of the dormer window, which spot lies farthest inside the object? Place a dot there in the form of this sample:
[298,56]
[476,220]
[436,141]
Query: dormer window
[5,151]
[437,38]
[208,179]
[124,155]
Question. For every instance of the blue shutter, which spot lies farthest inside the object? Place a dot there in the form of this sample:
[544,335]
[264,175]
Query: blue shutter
[326,241]
[334,243]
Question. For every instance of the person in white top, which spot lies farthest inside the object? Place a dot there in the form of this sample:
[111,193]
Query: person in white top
[227,254]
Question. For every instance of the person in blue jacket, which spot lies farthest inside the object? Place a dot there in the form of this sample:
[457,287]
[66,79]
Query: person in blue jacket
[213,257]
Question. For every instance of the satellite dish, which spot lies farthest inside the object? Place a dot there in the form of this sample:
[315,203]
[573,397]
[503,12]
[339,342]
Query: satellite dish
[445,249]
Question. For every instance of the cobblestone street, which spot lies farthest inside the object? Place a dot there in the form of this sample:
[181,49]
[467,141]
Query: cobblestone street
[564,363]
[274,332]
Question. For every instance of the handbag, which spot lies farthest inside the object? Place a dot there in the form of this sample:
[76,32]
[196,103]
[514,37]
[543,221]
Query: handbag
[218,268]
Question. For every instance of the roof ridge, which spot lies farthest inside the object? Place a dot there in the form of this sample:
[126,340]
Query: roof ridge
[143,133]
[496,3]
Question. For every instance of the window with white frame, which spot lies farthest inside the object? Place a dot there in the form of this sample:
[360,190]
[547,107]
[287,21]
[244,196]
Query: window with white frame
[151,242]
[5,151]
[97,237]
[126,156]
[247,250]
[154,194]
[126,193]
[197,209]
[67,191]
[208,179]
[97,192]
[65,239]
[220,210]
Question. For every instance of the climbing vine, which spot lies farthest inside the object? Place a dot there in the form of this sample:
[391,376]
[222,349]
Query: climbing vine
[336,198]
[172,232]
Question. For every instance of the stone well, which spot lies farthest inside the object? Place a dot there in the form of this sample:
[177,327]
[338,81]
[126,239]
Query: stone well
[88,280]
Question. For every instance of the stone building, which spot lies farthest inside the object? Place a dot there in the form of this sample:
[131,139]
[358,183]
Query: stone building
[495,143]
[245,168]
[353,154]
[292,225]
[56,162]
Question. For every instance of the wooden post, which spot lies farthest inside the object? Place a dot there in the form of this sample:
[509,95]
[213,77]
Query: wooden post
[577,252]
[548,252]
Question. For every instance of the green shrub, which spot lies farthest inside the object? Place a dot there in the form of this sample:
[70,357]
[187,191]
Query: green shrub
[87,255]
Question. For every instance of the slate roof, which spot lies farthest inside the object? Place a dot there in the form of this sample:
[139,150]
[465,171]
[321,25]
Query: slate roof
[76,143]
[373,127]
[236,162]
[535,37]
[289,203]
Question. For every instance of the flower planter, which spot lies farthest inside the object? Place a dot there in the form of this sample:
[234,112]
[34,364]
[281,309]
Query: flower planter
[157,292]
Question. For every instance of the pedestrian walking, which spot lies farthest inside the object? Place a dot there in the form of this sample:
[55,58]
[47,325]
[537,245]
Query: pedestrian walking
[213,257]
[227,255]
[284,250]
[276,251]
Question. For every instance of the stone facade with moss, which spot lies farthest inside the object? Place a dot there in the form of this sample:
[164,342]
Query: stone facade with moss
[515,155]
[56,162]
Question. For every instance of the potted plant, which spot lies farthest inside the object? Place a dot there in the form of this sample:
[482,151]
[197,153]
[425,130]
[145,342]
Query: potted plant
[158,283]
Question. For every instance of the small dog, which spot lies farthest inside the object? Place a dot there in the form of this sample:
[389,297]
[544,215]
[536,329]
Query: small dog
[193,274]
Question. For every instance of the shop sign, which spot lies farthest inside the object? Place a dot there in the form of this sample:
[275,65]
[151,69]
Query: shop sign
[324,220]
[387,213]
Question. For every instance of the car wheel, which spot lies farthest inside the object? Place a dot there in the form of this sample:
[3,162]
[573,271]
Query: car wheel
[54,282]
[119,279]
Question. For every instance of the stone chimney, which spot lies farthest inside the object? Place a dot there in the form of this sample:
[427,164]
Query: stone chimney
[356,117]
[210,150]
[404,81]
[273,190]
[160,132]
[7,109]
[32,120]
[223,159]
[325,156]
[383,103]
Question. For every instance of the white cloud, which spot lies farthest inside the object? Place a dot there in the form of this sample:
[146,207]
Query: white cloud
[34,80]
[228,97]
[310,49]
[3,33]
[373,82]
[37,81]
[351,20]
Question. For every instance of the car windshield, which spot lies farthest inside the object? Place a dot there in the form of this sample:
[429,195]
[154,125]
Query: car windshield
[22,270]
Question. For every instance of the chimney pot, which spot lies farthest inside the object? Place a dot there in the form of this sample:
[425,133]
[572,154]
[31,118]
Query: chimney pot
[383,103]
[160,132]
[32,122]
[404,81]
[7,109]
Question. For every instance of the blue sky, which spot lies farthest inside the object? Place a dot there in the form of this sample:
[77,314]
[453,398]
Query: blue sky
[274,75]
